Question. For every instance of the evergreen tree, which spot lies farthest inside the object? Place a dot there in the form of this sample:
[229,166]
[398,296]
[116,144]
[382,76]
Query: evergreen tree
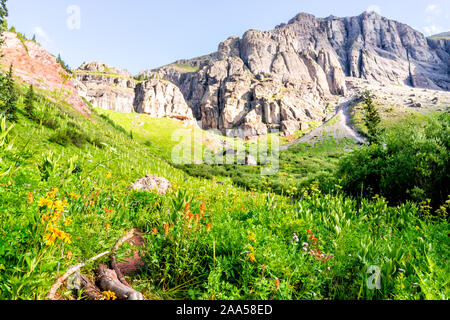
[63,64]
[29,103]
[3,23]
[372,118]
[8,96]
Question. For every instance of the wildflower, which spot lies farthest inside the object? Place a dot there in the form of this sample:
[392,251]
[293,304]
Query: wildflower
[45,202]
[69,255]
[187,208]
[166,229]
[73,195]
[208,227]
[67,222]
[30,198]
[109,295]
[295,238]
[49,239]
[196,217]
[154,231]
[305,244]
[252,237]
[202,207]
[108,175]
[108,226]
[417,227]
[252,257]
[309,231]
[277,283]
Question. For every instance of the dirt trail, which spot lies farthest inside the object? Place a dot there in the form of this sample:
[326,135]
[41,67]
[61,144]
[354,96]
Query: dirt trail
[338,127]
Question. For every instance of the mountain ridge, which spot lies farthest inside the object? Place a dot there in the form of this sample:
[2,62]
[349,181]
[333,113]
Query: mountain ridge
[283,79]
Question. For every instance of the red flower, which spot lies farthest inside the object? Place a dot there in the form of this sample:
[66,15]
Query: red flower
[208,227]
[309,231]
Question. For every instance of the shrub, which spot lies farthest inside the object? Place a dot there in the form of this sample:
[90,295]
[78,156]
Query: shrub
[411,164]
[29,103]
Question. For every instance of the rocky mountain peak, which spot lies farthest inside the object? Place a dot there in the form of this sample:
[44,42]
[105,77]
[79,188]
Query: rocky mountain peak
[284,78]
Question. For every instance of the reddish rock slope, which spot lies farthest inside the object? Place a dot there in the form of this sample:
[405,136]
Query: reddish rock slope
[37,66]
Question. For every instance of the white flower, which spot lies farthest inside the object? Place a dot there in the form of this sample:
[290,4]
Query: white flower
[305,244]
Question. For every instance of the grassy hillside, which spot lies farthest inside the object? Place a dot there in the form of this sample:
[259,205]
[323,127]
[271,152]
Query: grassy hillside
[64,198]
[441,36]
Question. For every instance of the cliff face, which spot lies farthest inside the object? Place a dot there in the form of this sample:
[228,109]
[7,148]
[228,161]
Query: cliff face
[106,87]
[36,66]
[283,78]
[113,89]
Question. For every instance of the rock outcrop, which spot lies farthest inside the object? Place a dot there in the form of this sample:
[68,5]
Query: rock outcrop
[106,87]
[161,98]
[281,79]
[113,89]
[36,66]
[285,77]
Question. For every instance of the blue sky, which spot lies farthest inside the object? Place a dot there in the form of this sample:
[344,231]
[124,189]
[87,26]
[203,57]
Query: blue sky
[142,34]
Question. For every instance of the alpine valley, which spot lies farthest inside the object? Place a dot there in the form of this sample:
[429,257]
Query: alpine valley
[155,186]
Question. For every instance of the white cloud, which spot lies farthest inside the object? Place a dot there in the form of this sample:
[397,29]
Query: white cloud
[374,8]
[42,35]
[432,30]
[433,9]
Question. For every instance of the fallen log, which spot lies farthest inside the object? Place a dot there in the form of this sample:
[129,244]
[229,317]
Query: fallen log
[90,291]
[107,280]
[51,294]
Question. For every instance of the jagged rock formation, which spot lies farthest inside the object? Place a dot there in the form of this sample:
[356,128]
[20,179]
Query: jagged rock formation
[113,89]
[279,79]
[36,66]
[283,78]
[106,87]
[161,98]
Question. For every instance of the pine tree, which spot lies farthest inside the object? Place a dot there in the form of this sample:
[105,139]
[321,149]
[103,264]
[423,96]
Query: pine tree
[63,64]
[29,102]
[3,23]
[372,118]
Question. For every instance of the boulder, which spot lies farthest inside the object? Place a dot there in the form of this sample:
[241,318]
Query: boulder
[151,183]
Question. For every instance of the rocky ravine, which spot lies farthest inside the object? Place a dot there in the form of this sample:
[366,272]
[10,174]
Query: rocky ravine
[284,78]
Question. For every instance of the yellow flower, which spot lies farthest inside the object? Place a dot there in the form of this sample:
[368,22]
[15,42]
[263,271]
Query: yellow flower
[43,202]
[252,257]
[73,195]
[109,295]
[67,222]
[108,175]
[417,227]
[252,237]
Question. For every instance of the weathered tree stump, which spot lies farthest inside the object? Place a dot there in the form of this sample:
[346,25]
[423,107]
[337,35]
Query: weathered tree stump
[107,280]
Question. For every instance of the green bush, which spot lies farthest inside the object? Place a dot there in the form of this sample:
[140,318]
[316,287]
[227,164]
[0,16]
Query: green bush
[411,164]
